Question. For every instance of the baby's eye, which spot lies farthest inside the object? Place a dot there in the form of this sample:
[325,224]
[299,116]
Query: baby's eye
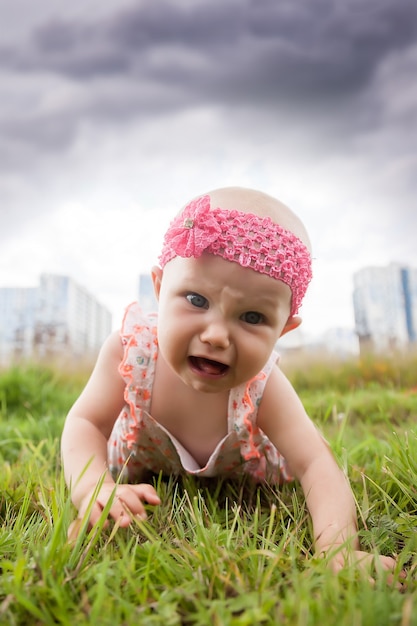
[252,317]
[196,300]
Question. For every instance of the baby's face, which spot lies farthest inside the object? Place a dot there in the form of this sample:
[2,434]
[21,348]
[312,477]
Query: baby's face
[218,321]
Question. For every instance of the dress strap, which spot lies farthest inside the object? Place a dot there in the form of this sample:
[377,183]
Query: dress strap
[137,368]
[244,401]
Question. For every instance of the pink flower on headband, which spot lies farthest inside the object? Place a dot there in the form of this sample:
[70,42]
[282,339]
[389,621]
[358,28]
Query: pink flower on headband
[194,230]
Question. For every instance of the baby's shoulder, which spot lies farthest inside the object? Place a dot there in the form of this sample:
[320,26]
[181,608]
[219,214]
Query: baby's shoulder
[112,347]
[279,394]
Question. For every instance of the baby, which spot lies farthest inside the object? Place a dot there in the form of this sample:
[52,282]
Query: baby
[197,389]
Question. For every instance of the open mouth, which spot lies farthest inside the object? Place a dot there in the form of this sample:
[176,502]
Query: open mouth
[208,367]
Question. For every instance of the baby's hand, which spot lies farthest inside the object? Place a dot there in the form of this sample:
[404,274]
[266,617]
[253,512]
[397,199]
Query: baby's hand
[370,564]
[127,503]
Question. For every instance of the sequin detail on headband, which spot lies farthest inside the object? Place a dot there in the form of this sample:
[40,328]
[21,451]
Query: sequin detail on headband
[244,238]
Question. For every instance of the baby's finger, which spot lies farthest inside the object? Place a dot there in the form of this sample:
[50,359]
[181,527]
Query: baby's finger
[77,524]
[393,578]
[131,498]
[119,508]
[146,492]
[376,566]
[386,562]
[131,505]
[74,530]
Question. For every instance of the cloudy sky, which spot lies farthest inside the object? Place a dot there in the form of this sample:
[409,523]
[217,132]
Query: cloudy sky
[114,114]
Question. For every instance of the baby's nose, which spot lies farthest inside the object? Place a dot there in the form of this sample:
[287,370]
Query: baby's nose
[216,334]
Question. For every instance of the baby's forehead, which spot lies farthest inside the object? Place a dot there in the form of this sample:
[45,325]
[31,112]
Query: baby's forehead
[209,269]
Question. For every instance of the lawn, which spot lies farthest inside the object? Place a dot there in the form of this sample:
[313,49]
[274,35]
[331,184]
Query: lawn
[214,552]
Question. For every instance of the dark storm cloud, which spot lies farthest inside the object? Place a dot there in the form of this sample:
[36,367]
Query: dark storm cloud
[261,65]
[149,58]
[317,48]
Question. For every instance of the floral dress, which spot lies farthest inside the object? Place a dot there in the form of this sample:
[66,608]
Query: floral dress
[138,443]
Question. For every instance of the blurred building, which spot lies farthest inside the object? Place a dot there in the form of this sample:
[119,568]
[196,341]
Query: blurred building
[385,307]
[146,294]
[338,342]
[57,318]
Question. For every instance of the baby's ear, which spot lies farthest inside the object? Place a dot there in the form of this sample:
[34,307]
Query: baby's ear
[156,274]
[292,323]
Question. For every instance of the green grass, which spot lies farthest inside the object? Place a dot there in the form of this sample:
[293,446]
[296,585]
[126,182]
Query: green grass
[214,552]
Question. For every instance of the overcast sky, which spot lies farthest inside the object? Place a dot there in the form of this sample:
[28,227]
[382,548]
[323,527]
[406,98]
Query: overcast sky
[114,114]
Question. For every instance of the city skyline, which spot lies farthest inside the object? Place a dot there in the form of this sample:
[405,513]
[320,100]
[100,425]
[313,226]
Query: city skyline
[60,312]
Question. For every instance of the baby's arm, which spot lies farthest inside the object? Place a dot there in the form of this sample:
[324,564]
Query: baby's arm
[328,495]
[84,442]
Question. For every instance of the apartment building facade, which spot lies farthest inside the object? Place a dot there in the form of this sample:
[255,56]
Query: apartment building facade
[59,318]
[385,307]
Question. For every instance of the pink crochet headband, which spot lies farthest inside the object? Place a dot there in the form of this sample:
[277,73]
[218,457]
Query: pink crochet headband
[245,238]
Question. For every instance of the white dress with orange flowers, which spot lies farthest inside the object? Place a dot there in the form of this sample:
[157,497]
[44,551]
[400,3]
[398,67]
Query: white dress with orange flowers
[138,443]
